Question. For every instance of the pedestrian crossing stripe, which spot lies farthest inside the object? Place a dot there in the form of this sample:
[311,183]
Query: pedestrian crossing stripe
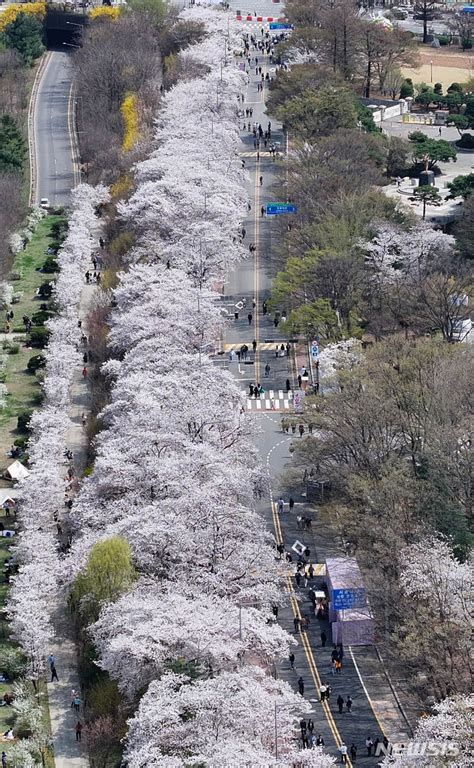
[262,347]
[264,153]
[273,400]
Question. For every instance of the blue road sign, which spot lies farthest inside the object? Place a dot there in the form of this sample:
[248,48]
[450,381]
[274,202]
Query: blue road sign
[276,209]
[348,598]
[314,349]
[280,25]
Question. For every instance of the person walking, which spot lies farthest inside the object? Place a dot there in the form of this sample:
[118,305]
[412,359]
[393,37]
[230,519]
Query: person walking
[301,429]
[249,318]
[267,373]
[264,307]
[292,660]
[78,730]
[73,697]
[275,611]
[353,753]
[301,686]
[254,345]
[340,703]
[291,503]
[4,760]
[322,692]
[296,623]
[369,744]
[77,703]
[261,181]
[54,674]
[298,578]
[303,728]
[338,665]
[262,210]
[288,385]
[343,751]
[323,639]
[281,505]
[349,704]
[84,372]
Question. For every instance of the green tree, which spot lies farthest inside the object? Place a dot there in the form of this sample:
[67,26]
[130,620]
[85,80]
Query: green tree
[428,97]
[461,186]
[464,230]
[25,35]
[12,146]
[431,151]
[108,574]
[460,122]
[320,113]
[427,195]
[315,319]
[407,88]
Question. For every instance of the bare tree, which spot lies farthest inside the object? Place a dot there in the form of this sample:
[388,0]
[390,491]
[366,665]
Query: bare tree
[12,211]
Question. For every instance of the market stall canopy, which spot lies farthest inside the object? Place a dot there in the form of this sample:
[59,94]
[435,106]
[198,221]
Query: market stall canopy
[17,471]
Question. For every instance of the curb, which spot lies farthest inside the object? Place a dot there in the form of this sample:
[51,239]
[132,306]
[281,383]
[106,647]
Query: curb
[31,125]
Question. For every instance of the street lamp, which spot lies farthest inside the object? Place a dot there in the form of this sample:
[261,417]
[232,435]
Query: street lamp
[431,67]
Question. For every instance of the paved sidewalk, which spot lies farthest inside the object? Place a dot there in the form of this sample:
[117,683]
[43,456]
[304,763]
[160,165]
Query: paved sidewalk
[68,753]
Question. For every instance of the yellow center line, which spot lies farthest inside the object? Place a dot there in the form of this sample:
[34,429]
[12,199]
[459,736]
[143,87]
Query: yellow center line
[305,641]
[256,214]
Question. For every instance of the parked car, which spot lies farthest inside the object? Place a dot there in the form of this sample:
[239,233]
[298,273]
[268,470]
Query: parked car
[44,203]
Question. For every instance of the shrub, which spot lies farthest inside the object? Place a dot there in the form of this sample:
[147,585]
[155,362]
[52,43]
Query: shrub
[444,39]
[12,661]
[407,88]
[39,336]
[45,290]
[466,141]
[50,265]
[35,362]
[14,349]
[23,420]
[39,318]
[59,230]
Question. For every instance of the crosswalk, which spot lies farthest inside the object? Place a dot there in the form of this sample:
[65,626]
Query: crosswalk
[269,346]
[271,400]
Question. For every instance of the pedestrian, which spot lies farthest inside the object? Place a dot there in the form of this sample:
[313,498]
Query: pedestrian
[301,430]
[343,751]
[51,659]
[376,747]
[254,345]
[369,744]
[353,753]
[84,372]
[267,370]
[338,665]
[77,703]
[94,262]
[280,549]
[275,611]
[261,181]
[288,385]
[320,741]
[292,660]
[322,692]
[249,318]
[301,686]
[288,349]
[291,503]
[328,692]
[349,704]
[298,578]
[4,760]
[88,276]
[303,727]
[310,726]
[54,674]
[262,210]
[300,381]
[281,505]
[340,703]
[73,696]
[101,242]
[276,320]
[439,131]
[78,730]
[323,639]
[296,623]
[250,390]
[264,307]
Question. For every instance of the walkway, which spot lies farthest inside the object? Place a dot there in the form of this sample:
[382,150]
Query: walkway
[67,752]
[378,715]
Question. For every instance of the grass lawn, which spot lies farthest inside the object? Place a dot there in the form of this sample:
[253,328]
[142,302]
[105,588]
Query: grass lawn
[24,391]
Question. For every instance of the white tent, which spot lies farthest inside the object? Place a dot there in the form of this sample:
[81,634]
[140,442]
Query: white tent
[17,471]
[8,497]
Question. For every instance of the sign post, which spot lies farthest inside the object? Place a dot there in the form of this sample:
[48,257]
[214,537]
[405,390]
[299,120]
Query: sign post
[314,349]
[277,209]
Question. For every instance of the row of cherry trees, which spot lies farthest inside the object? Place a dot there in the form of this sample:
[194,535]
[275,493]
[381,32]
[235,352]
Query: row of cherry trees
[42,494]
[176,472]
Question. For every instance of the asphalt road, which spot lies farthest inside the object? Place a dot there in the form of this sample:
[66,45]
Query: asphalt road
[55,172]
[252,281]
